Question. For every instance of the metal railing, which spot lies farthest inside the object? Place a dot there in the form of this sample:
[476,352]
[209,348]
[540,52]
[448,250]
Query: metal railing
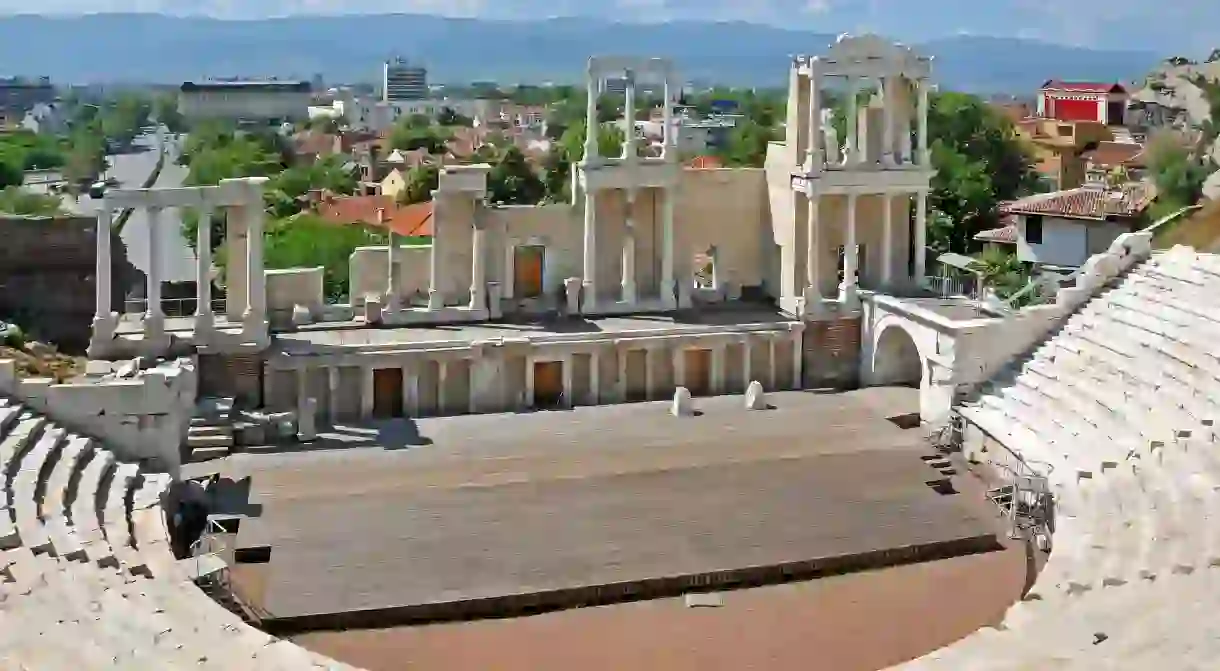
[948,286]
[172,307]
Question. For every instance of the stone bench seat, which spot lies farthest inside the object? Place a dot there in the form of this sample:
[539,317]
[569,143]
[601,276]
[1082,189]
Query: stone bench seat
[85,511]
[16,443]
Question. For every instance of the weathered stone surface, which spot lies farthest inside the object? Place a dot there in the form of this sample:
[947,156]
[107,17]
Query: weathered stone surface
[307,423]
[301,315]
[683,405]
[756,398]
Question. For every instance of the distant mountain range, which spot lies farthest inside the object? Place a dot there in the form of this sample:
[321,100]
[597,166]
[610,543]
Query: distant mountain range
[150,48]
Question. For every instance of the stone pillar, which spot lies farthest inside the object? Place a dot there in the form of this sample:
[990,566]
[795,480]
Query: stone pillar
[887,95]
[921,235]
[718,356]
[203,272]
[815,158]
[332,393]
[847,290]
[887,242]
[853,120]
[154,317]
[589,290]
[591,115]
[669,149]
[798,359]
[813,253]
[302,375]
[595,375]
[924,158]
[569,386]
[435,299]
[367,390]
[772,373]
[529,381]
[904,119]
[669,289]
[747,350]
[629,144]
[442,384]
[650,376]
[621,353]
[478,268]
[102,281]
[256,280]
[679,363]
[390,299]
[410,377]
[628,281]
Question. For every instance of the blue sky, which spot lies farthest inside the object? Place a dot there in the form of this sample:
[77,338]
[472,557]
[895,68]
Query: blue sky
[1190,27]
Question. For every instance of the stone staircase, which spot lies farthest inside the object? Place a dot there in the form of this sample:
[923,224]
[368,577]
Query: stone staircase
[210,435]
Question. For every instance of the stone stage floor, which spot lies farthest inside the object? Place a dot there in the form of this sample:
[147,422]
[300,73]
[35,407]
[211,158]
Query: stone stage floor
[493,506]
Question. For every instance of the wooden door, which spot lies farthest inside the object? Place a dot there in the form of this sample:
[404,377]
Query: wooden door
[387,393]
[698,371]
[548,384]
[527,271]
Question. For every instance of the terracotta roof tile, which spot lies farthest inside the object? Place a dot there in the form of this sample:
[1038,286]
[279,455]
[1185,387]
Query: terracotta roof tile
[1005,234]
[1114,154]
[379,211]
[1083,87]
[1088,202]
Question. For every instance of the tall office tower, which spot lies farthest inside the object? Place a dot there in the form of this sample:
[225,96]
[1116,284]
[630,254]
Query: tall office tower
[402,81]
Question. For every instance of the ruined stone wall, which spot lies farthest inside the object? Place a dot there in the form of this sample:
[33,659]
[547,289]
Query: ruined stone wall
[47,276]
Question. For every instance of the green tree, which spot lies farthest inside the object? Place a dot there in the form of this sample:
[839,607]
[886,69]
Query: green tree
[979,161]
[513,181]
[449,117]
[609,141]
[557,176]
[11,173]
[1177,173]
[418,132]
[165,110]
[747,145]
[422,180]
[1000,271]
[16,200]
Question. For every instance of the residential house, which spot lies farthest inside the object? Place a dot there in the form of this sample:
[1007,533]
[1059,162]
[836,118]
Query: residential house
[1103,102]
[1109,160]
[1058,148]
[411,221]
[45,118]
[1063,229]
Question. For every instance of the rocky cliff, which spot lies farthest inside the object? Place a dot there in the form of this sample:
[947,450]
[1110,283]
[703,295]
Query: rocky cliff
[1186,95]
[47,267]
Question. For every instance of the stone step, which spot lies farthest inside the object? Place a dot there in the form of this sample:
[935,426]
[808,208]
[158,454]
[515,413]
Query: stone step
[196,442]
[208,453]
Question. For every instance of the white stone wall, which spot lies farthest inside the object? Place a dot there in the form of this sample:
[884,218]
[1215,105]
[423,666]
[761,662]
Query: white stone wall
[145,417]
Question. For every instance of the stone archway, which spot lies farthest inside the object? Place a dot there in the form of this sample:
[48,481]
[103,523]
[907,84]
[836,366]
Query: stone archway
[896,359]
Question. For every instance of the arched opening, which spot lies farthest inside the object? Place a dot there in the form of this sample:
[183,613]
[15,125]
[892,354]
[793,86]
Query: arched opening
[896,359]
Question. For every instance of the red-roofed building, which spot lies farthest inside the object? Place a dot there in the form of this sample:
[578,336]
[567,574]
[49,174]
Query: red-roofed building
[379,211]
[705,163]
[1065,228]
[1083,101]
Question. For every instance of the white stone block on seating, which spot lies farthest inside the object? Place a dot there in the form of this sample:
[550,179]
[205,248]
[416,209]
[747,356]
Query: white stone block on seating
[683,405]
[756,399]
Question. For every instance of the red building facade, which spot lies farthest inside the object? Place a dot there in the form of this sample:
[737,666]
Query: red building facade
[1083,101]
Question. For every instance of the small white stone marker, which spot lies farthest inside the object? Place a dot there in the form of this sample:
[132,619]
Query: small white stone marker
[704,600]
[756,399]
[683,406]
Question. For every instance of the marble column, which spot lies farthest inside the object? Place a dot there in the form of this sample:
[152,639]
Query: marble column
[887,242]
[628,263]
[924,158]
[569,385]
[589,283]
[478,268]
[772,373]
[669,288]
[302,375]
[798,359]
[591,123]
[629,143]
[530,362]
[718,357]
[813,253]
[410,376]
[847,290]
[367,390]
[921,235]
[622,354]
[747,352]
[203,272]
[650,377]
[888,94]
[904,122]
[814,159]
[436,299]
[442,384]
[390,299]
[669,149]
[595,375]
[853,120]
[154,317]
[256,280]
[102,281]
[332,393]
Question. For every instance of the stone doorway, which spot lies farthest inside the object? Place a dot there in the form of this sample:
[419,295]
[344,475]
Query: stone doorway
[698,373]
[548,384]
[387,393]
[528,264]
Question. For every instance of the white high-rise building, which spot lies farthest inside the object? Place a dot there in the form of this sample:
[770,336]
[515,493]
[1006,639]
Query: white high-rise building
[401,80]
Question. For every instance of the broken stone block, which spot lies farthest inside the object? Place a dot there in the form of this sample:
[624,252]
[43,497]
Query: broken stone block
[301,315]
[756,398]
[683,405]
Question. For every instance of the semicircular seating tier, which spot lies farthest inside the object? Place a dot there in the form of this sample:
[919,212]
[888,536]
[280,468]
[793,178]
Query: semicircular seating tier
[88,579]
[1117,410]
